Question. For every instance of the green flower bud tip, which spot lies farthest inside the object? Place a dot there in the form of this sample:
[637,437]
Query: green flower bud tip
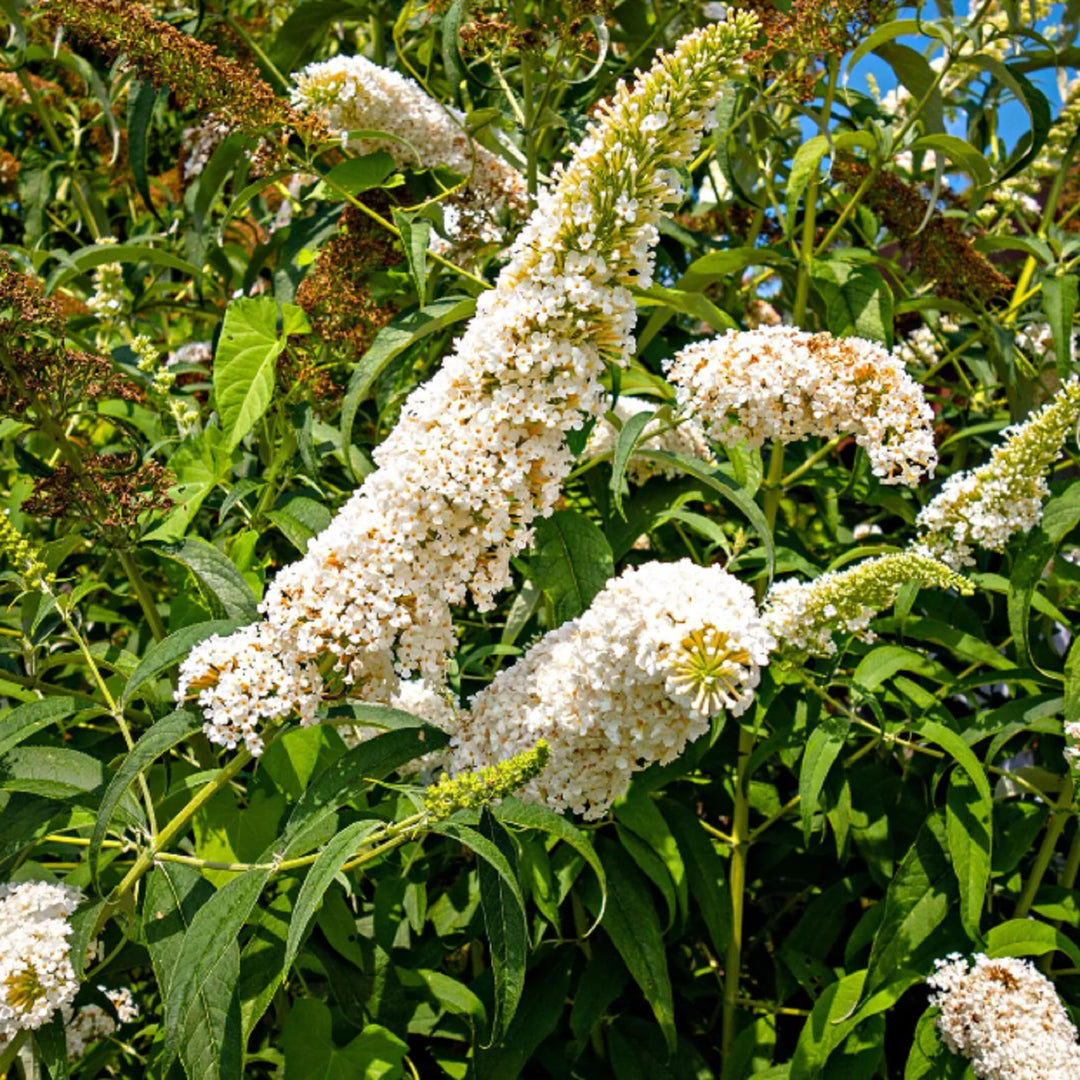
[24,556]
[481,787]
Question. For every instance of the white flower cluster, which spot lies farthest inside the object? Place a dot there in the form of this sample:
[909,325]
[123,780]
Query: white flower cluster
[36,976]
[922,347]
[662,648]
[352,94]
[92,1023]
[686,437]
[987,506]
[198,144]
[804,616]
[781,383]
[479,452]
[1036,340]
[1006,1018]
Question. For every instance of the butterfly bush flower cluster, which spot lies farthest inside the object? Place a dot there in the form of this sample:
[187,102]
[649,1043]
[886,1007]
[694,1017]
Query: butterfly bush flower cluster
[804,616]
[785,384]
[352,94]
[685,437]
[987,506]
[36,974]
[1006,1018]
[93,1023]
[479,451]
[661,650]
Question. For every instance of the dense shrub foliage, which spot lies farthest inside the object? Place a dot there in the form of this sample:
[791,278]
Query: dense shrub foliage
[541,540]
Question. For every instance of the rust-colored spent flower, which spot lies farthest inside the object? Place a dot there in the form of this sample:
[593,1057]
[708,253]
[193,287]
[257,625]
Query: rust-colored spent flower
[939,249]
[336,294]
[195,71]
[111,493]
[9,173]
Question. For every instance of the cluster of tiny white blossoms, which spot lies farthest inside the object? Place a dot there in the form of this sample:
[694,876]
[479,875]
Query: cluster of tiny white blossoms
[685,437]
[36,975]
[479,451]
[987,506]
[662,648]
[92,1023]
[1006,1018]
[352,94]
[804,616]
[780,383]
[922,347]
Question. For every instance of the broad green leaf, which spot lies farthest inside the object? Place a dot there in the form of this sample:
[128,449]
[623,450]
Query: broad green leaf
[28,719]
[507,934]
[209,940]
[355,175]
[929,1058]
[1059,298]
[959,750]
[211,1047]
[1029,937]
[641,815]
[311,1053]
[391,341]
[918,900]
[969,829]
[301,520]
[89,258]
[573,562]
[51,1042]
[415,233]
[166,733]
[822,749]
[323,871]
[959,152]
[53,772]
[631,921]
[142,96]
[804,166]
[171,650]
[224,585]
[245,365]
[914,71]
[723,264]
[858,302]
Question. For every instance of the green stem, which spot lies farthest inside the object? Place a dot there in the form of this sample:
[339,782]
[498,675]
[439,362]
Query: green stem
[737,880]
[810,462]
[1059,818]
[142,591]
[774,488]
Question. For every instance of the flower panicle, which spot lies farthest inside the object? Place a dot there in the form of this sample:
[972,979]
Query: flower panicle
[490,784]
[803,617]
[24,555]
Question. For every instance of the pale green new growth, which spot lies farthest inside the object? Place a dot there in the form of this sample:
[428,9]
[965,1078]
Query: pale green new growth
[804,617]
[472,790]
[23,555]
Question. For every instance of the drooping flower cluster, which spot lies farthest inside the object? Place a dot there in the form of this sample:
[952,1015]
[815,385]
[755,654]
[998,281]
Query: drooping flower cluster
[93,1023]
[987,506]
[781,383]
[479,453]
[36,975]
[685,437]
[352,94]
[804,616]
[662,649]
[1006,1018]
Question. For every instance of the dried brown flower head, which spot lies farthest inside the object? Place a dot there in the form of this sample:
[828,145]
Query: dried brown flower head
[939,249]
[336,294]
[110,493]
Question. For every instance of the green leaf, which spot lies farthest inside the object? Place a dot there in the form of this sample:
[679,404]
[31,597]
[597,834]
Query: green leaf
[804,166]
[969,828]
[142,97]
[311,1054]
[53,772]
[573,562]
[537,816]
[20,723]
[391,341]
[345,778]
[1059,298]
[89,258]
[640,815]
[930,1058]
[209,940]
[166,733]
[960,153]
[631,921]
[356,175]
[301,520]
[726,487]
[226,590]
[822,749]
[914,71]
[171,650]
[51,1042]
[504,920]
[323,871]
[858,302]
[211,1046]
[245,365]
[918,900]
[624,449]
[723,264]
[415,233]
[1029,937]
